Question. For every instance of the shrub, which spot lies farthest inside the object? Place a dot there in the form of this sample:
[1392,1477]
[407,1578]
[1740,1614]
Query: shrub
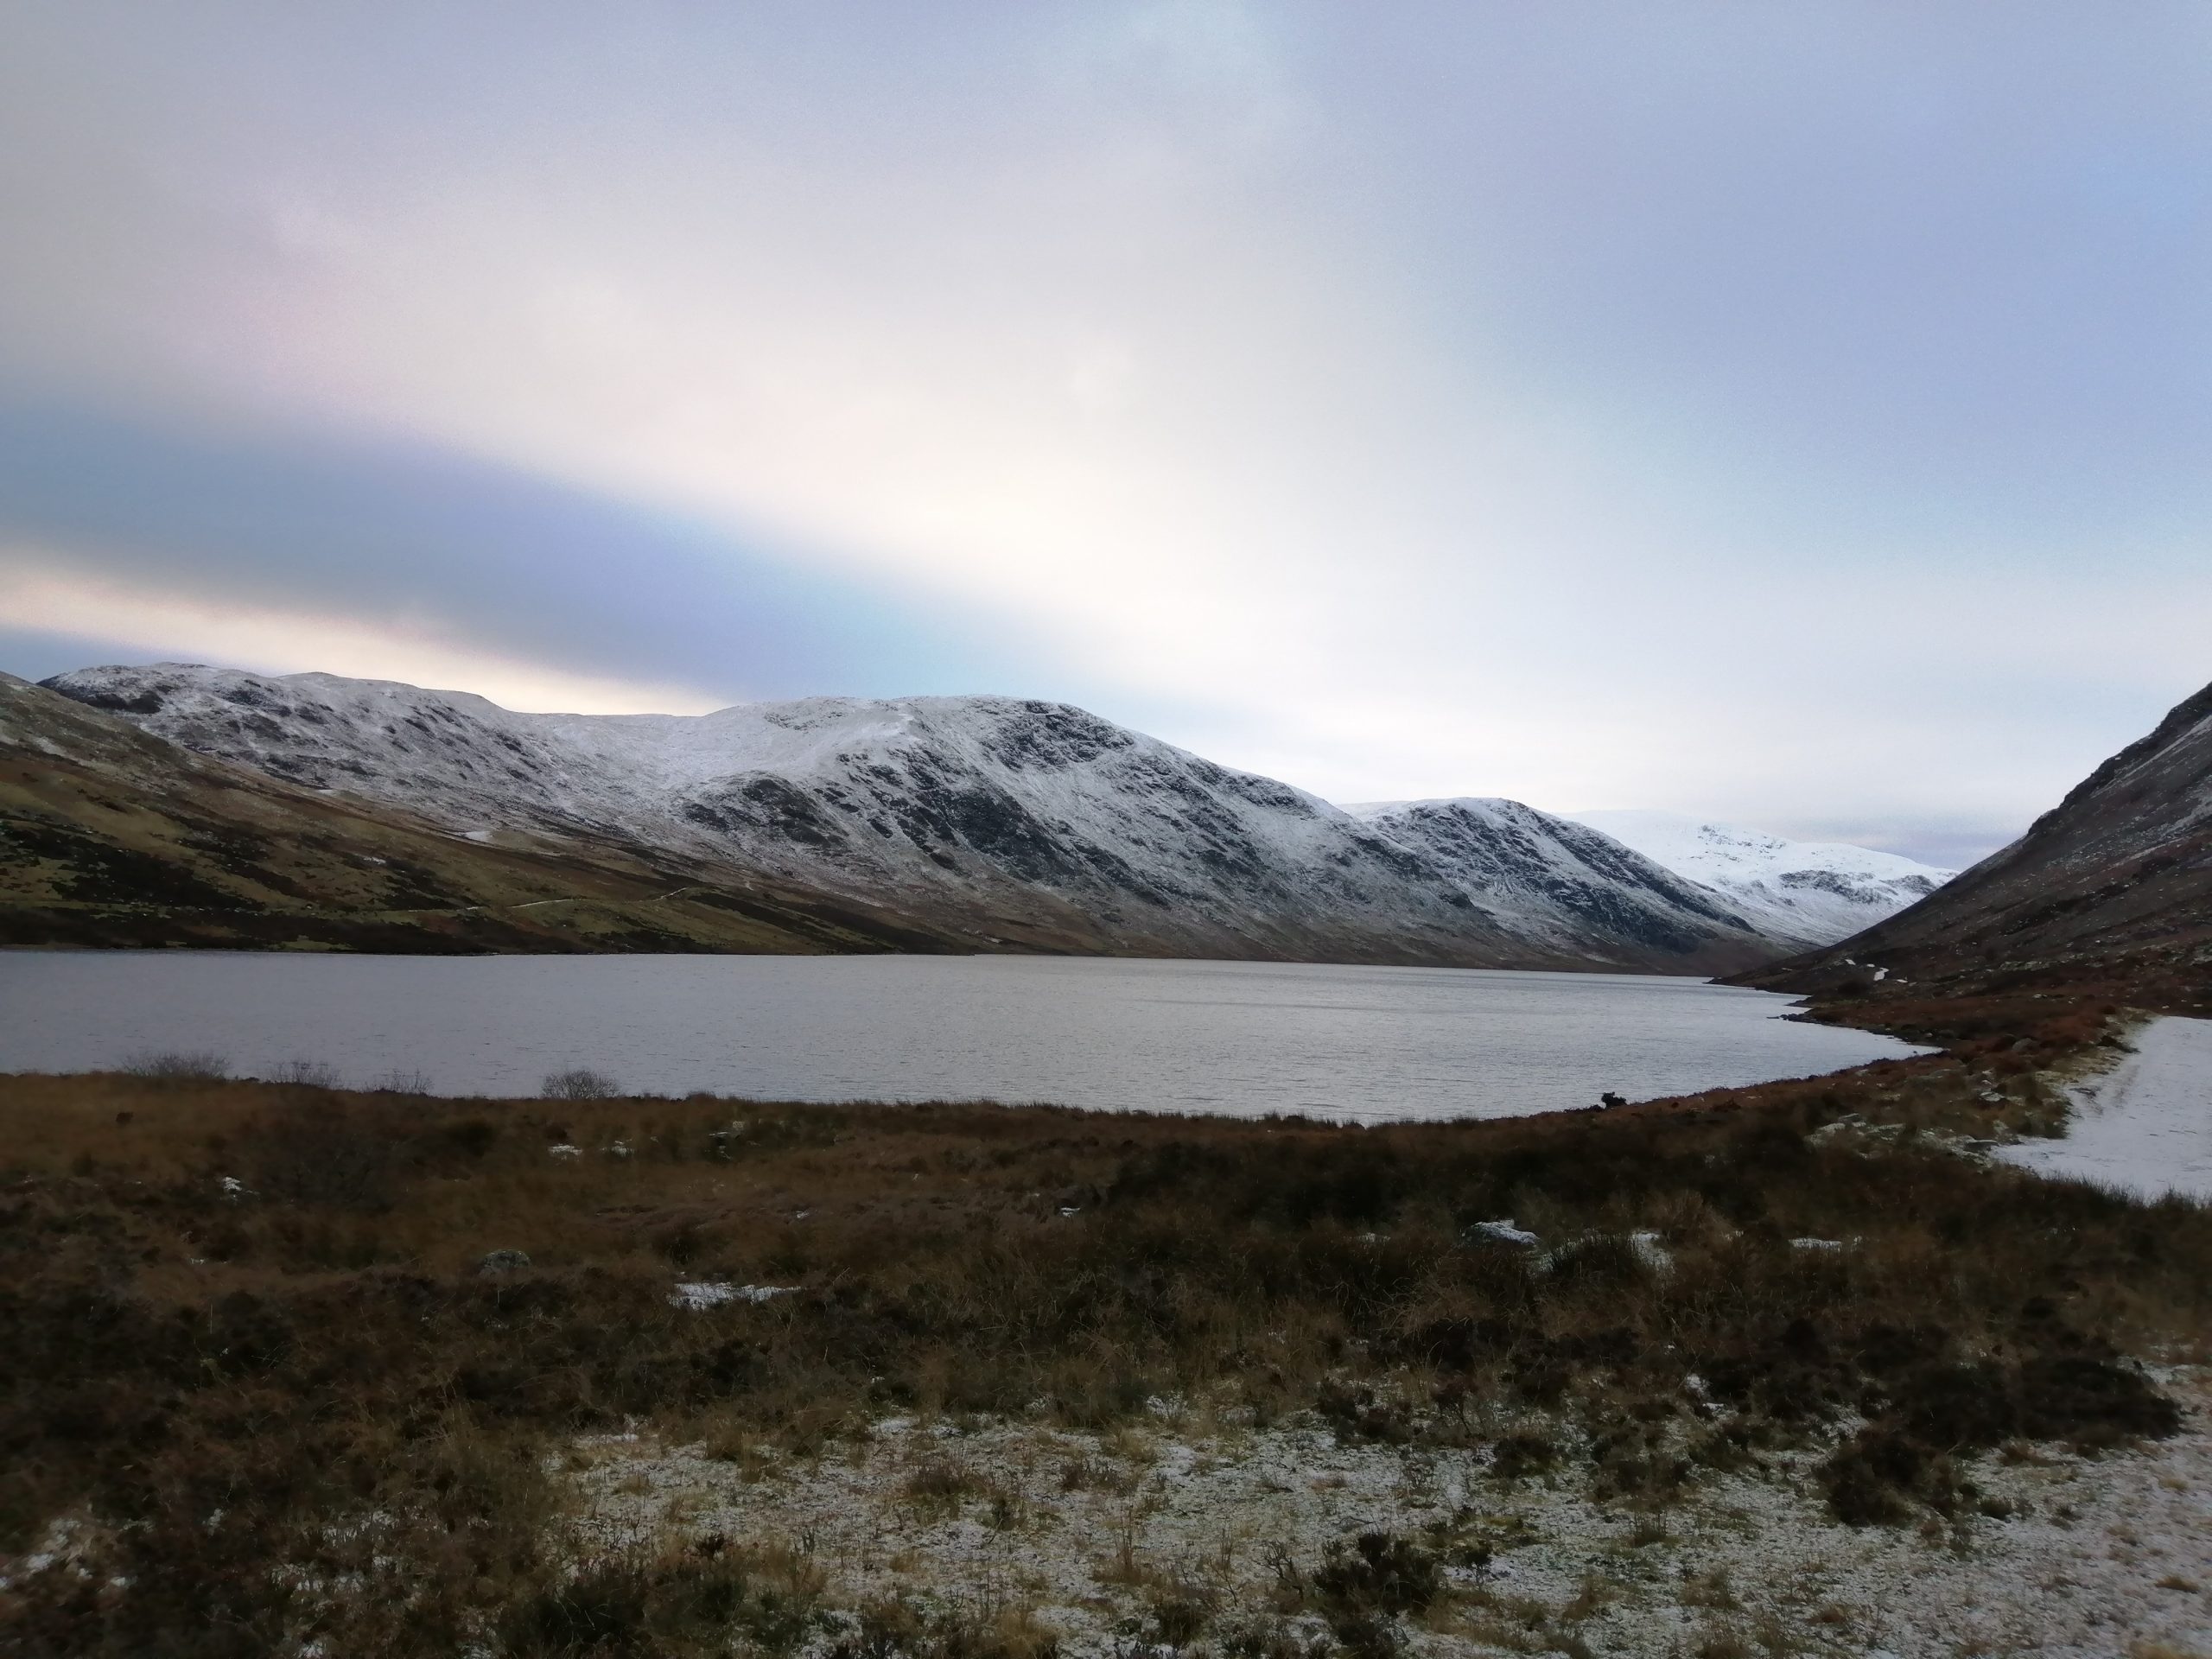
[313,1156]
[582,1083]
[1271,1637]
[1937,1410]
[172,1065]
[900,1629]
[603,1609]
[473,1136]
[1358,1415]
[1523,1453]
[1181,1608]
[1364,1589]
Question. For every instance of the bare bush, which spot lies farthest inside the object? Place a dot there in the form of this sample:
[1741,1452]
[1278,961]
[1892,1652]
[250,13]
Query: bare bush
[174,1064]
[396,1082]
[311,1155]
[306,1074]
[580,1083]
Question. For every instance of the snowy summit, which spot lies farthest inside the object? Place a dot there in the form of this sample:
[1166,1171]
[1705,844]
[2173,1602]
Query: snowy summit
[1802,893]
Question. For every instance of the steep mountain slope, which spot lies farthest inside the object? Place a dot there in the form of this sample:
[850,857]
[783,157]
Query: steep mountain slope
[1502,847]
[1802,893]
[109,837]
[2114,883]
[1025,825]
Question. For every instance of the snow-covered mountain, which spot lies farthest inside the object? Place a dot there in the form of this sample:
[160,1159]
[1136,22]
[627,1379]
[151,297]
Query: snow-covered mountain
[1802,893]
[1033,825]
[1505,847]
[112,836]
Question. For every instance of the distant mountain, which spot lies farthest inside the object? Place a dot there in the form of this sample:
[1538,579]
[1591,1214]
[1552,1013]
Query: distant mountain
[1802,893]
[111,836]
[2113,884]
[1013,825]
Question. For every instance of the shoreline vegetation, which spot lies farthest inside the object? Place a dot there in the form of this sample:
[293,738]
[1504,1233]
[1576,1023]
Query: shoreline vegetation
[305,1369]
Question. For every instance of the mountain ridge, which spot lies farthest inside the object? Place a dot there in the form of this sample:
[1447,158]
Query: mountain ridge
[1042,825]
[111,836]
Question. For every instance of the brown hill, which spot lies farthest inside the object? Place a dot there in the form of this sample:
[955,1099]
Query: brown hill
[111,836]
[2112,887]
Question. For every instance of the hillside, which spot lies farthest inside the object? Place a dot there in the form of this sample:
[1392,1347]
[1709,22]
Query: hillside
[1801,892]
[109,837]
[2113,885]
[1505,847]
[1015,824]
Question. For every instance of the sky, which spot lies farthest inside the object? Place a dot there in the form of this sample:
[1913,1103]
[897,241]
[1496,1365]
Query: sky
[1796,416]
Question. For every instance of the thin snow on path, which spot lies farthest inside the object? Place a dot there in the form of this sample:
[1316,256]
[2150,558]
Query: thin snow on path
[2144,1126]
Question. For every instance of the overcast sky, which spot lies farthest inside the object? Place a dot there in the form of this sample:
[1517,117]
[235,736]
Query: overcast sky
[1795,415]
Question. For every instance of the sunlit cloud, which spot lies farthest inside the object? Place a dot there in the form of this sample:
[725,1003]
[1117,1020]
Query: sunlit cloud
[41,592]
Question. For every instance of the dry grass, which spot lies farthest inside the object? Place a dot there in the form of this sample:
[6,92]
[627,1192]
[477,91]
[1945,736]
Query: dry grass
[308,1369]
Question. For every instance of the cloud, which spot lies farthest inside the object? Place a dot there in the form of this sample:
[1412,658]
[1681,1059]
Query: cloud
[42,593]
[1794,415]
[311,520]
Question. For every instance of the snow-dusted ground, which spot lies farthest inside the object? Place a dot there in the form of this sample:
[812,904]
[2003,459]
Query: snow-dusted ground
[1806,892]
[2095,1557]
[2146,1126]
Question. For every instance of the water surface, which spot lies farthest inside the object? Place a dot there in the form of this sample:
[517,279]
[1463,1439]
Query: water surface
[1242,1038]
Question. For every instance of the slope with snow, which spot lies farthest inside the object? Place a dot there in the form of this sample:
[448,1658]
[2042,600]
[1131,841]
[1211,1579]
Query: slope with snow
[1502,847]
[1032,825]
[110,835]
[2113,885]
[1802,893]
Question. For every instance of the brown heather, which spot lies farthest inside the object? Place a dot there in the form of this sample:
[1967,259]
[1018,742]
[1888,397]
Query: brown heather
[302,1411]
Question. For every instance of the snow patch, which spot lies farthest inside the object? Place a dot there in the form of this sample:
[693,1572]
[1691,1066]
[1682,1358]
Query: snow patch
[700,1296]
[1503,1232]
[2144,1128]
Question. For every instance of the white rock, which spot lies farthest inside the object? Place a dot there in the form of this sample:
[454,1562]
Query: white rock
[705,1294]
[1503,1232]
